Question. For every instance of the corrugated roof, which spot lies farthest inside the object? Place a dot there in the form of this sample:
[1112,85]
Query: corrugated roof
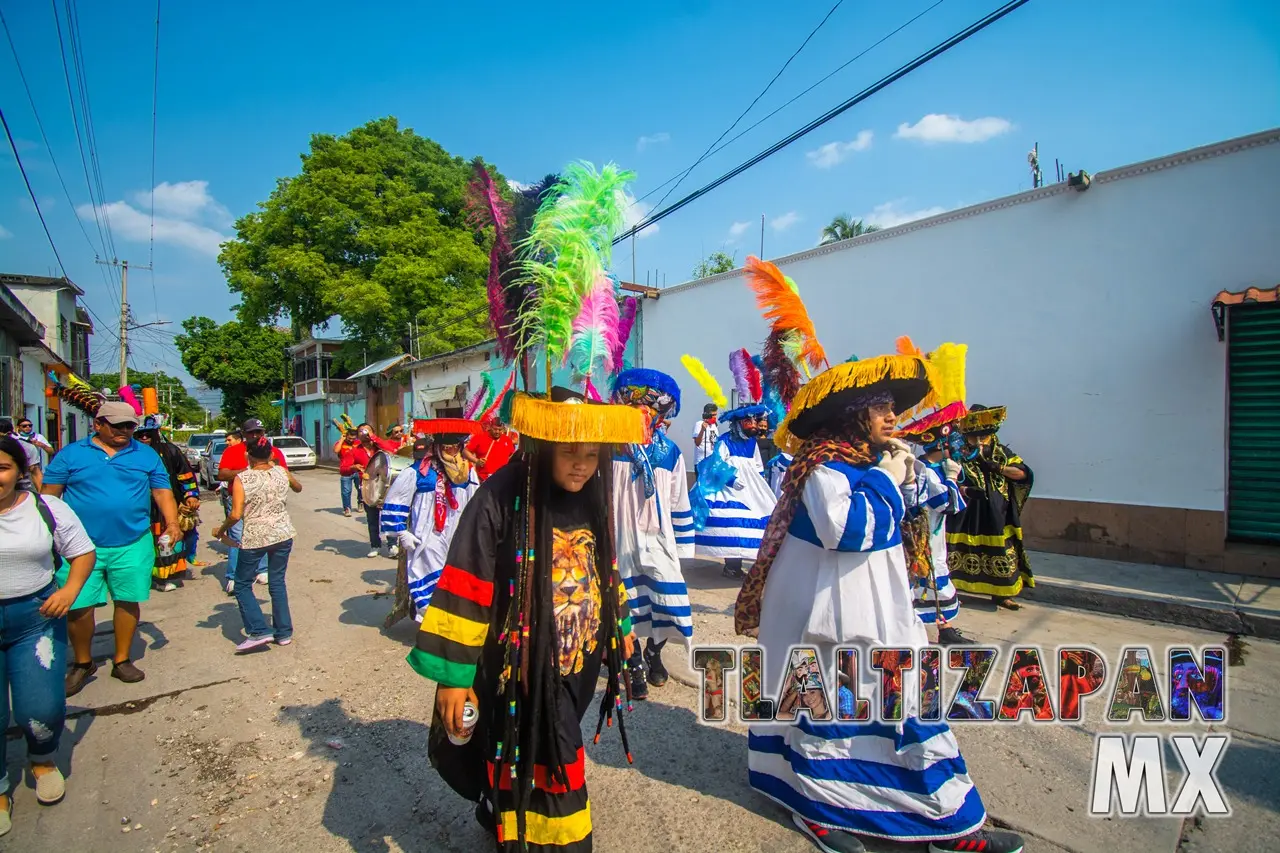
[378,366]
[1250,294]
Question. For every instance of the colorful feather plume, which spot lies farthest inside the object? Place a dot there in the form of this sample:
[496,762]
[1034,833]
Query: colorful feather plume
[746,377]
[704,378]
[769,396]
[779,299]
[779,368]
[627,320]
[569,248]
[481,399]
[486,208]
[129,396]
[595,336]
[948,362]
[906,347]
[497,401]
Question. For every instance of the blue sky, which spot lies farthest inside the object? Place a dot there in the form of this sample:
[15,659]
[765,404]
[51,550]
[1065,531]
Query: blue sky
[532,86]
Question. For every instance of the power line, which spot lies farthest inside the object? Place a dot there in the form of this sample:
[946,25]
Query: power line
[903,71]
[751,106]
[14,146]
[155,92]
[82,79]
[800,95]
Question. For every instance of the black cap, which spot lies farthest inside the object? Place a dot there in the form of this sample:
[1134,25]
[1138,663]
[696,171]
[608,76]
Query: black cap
[253,425]
[421,445]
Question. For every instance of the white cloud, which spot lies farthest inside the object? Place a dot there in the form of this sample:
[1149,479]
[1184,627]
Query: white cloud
[891,213]
[948,128]
[653,139]
[834,153]
[636,211]
[5,233]
[737,229]
[517,186]
[187,200]
[785,221]
[135,225]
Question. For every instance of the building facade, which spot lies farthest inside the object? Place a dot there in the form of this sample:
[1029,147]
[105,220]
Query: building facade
[1090,314]
[320,394]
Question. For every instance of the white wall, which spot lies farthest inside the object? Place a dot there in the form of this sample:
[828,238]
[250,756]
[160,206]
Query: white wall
[1086,313]
[446,374]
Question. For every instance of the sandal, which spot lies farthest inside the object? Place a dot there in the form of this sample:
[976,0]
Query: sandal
[1009,603]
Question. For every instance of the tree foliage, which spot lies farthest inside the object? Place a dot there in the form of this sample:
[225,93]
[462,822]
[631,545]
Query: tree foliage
[239,359]
[844,228]
[260,406]
[714,264]
[372,231]
[184,409]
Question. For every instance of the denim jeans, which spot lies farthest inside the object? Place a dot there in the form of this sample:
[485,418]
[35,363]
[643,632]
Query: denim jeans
[33,666]
[348,482]
[277,559]
[373,516]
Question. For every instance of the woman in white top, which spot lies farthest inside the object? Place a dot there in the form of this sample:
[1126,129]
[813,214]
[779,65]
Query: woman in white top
[33,620]
[258,496]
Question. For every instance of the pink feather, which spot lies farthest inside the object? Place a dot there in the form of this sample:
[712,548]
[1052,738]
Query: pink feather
[754,379]
[625,323]
[486,207]
[474,404]
[126,394]
[595,330]
[738,361]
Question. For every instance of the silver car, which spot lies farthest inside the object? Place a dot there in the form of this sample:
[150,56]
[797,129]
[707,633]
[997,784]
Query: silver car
[196,445]
[209,460]
[297,453]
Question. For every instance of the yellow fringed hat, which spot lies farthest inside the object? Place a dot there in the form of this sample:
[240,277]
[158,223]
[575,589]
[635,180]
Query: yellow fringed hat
[983,421]
[569,418]
[908,379]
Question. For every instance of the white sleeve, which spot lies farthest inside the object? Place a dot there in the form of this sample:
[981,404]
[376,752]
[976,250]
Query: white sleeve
[395,506]
[70,536]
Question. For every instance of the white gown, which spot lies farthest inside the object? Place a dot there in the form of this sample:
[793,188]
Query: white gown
[740,511]
[840,579]
[939,497]
[777,468]
[648,541]
[407,508]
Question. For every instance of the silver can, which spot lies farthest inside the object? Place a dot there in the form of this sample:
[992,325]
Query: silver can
[469,717]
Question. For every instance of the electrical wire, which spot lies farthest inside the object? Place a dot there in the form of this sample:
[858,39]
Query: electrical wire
[91,136]
[755,101]
[23,169]
[155,92]
[884,82]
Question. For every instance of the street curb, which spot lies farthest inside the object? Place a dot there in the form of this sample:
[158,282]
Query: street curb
[1223,619]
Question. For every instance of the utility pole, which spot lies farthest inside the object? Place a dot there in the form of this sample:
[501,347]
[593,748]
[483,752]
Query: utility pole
[124,316]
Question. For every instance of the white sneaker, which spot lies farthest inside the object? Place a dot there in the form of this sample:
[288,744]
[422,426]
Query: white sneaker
[394,552]
[375,552]
[262,578]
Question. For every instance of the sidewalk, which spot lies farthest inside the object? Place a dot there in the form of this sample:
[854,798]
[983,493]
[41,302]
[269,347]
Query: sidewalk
[1214,601]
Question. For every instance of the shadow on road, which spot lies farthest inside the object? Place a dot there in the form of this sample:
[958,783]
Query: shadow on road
[225,617]
[355,549]
[20,772]
[384,790]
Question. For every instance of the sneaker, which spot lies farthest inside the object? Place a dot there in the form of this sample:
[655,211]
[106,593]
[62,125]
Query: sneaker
[166,586]
[347,513]
[286,641]
[733,572]
[78,674]
[948,636]
[128,673]
[6,817]
[653,662]
[261,578]
[982,841]
[373,553]
[253,643]
[639,685]
[51,787]
[829,840]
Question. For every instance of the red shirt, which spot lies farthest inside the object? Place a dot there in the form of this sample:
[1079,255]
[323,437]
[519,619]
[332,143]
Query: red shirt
[351,457]
[390,445]
[236,458]
[492,453]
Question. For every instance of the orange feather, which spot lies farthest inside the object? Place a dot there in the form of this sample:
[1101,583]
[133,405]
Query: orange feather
[906,347]
[783,309]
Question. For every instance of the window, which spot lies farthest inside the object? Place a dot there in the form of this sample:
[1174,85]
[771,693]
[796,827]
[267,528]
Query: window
[1253,427]
[292,442]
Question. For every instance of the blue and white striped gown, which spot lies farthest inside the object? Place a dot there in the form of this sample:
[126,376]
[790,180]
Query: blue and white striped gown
[647,537]
[940,497]
[840,579]
[410,505]
[740,511]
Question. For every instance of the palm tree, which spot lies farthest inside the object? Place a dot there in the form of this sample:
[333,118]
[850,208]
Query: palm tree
[844,228]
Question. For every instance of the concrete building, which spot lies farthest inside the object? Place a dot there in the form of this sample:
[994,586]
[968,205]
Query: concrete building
[319,395]
[1090,314]
[63,348]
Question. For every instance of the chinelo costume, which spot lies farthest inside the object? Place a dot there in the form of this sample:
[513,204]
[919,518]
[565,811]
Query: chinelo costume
[984,542]
[422,508]
[832,572]
[651,510]
[530,605]
[731,499]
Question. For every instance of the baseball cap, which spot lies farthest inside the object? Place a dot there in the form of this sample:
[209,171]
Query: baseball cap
[117,413]
[252,425]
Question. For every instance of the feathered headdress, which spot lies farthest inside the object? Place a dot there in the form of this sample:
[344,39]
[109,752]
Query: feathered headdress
[704,378]
[779,299]
[486,208]
[595,337]
[480,400]
[949,372]
[746,377]
[626,321]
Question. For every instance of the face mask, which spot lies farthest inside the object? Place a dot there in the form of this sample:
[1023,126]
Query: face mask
[25,430]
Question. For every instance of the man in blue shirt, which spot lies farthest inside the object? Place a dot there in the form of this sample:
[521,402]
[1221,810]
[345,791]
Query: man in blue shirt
[110,480]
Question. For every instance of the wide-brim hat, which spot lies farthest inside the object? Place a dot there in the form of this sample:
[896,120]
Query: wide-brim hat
[446,430]
[567,417]
[982,420]
[642,379]
[824,399]
[932,429]
[754,410]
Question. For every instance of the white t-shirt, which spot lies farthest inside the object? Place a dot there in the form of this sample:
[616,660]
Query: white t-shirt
[26,558]
[703,450]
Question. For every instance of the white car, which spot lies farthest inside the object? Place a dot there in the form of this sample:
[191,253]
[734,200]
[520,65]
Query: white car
[297,453]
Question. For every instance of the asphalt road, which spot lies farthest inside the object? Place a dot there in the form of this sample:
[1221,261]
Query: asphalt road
[321,746]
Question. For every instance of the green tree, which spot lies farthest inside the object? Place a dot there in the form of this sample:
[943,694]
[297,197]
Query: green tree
[239,359]
[714,264]
[175,400]
[372,231]
[260,406]
[844,228]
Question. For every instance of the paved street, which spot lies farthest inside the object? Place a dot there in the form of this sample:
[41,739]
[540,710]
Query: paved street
[321,746]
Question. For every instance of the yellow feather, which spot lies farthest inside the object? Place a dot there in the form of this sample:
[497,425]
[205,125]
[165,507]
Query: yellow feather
[705,379]
[949,364]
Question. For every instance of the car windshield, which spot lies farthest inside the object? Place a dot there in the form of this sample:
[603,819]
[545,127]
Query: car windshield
[199,441]
[291,443]
[218,448]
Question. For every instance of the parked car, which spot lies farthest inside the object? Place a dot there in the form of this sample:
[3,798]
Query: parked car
[196,446]
[296,451]
[209,460]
